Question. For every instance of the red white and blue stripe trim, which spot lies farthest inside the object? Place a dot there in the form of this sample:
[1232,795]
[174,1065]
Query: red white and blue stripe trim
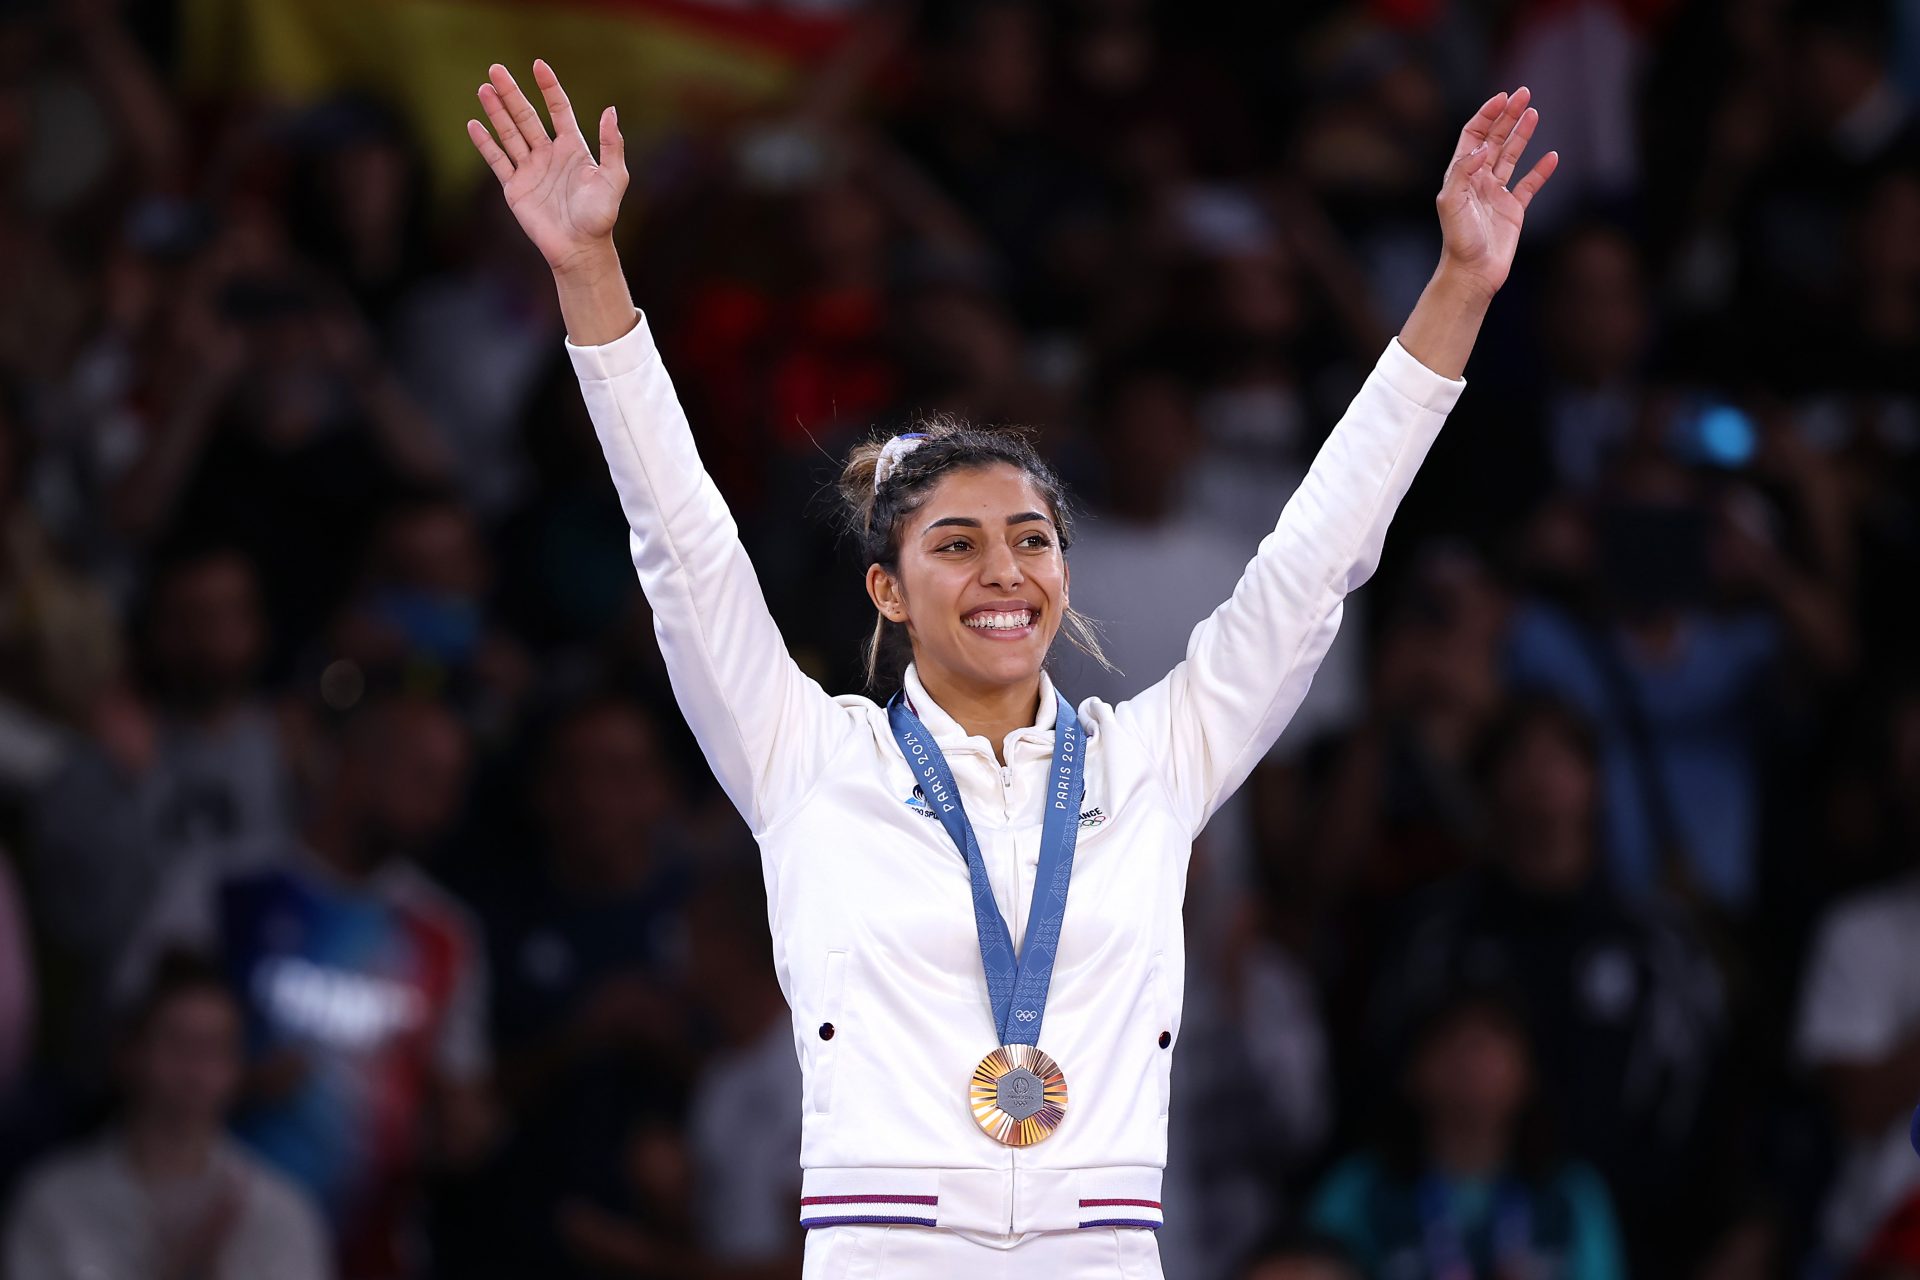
[883,1209]
[1122,1213]
[891,1209]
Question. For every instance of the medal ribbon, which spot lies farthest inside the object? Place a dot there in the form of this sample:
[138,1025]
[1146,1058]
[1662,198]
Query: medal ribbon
[1017,992]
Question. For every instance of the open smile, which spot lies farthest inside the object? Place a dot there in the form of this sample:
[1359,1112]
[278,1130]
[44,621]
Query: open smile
[1003,624]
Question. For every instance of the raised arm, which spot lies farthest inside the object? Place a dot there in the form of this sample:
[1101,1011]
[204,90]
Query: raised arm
[1248,666]
[767,730]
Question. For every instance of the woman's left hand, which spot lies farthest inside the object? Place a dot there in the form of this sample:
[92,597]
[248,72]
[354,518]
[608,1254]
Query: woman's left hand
[1479,216]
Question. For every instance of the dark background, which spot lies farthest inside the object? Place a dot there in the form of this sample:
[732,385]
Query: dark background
[287,433]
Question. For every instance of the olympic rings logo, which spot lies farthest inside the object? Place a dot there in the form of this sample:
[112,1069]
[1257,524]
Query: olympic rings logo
[1025,1015]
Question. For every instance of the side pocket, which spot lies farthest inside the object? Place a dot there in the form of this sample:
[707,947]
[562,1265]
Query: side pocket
[827,1049]
[1162,1025]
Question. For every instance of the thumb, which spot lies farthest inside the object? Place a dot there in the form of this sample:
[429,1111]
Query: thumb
[613,148]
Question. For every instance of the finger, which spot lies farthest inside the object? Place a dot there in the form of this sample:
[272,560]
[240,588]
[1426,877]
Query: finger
[490,151]
[1481,125]
[559,110]
[1542,170]
[613,147]
[510,140]
[518,107]
[1460,177]
[1516,143]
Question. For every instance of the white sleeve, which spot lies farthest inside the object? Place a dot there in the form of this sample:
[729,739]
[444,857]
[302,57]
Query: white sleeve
[1212,718]
[1847,1015]
[767,729]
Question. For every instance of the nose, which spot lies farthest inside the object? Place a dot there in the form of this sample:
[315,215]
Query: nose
[1000,567]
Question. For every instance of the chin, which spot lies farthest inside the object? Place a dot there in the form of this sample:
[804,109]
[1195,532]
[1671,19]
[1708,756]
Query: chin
[1018,665]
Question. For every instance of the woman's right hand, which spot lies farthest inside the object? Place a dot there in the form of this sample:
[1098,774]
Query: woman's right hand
[564,201]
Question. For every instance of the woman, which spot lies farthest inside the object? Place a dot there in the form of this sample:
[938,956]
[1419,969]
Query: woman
[1466,1185]
[927,1099]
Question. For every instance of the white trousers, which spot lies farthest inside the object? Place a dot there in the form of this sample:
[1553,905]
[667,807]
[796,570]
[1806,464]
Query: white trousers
[927,1253]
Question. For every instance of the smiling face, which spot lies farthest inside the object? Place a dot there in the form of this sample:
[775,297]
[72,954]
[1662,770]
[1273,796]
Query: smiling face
[981,584]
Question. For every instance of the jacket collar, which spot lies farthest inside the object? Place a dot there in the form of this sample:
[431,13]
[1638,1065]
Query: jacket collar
[947,731]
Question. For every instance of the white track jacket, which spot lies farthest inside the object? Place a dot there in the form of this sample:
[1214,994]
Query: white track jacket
[872,918]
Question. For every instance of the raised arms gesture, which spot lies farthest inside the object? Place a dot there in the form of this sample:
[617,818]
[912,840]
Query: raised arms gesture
[563,199]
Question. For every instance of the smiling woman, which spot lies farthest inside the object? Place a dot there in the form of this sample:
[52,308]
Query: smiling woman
[965,530]
[938,1138]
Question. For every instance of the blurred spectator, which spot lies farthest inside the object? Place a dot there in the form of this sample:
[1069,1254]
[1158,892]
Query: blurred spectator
[1676,686]
[1467,1180]
[420,619]
[1252,1099]
[1841,125]
[1402,806]
[1376,127]
[190,768]
[165,1193]
[290,450]
[980,130]
[472,344]
[1859,1025]
[1623,1000]
[59,640]
[1583,61]
[362,983]
[588,960]
[565,577]
[356,203]
[743,1127]
[1144,428]
[1597,332]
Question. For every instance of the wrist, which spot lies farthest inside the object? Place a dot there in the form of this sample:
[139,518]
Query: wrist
[587,266]
[1467,285]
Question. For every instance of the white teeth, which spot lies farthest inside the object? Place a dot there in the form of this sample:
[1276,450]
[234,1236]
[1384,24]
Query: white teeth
[1000,621]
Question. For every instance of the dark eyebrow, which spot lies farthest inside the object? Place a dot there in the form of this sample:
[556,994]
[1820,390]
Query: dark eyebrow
[968,522]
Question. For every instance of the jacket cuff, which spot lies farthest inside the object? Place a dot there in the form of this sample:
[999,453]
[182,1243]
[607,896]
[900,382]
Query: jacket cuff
[1405,374]
[624,354]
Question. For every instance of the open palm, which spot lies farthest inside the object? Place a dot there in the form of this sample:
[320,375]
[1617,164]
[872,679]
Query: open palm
[1479,216]
[563,199]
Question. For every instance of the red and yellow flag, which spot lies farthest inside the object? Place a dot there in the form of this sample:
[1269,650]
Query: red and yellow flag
[665,63]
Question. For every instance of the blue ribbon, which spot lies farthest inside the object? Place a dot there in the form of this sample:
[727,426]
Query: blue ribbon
[1017,992]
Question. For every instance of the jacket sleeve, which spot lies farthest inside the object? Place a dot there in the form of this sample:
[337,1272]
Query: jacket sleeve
[767,729]
[1212,718]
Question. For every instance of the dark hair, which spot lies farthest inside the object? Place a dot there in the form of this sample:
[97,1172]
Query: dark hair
[1534,1154]
[874,517]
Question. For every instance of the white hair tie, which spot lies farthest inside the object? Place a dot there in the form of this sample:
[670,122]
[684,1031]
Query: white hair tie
[893,454]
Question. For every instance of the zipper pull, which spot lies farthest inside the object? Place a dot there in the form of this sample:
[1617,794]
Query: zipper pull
[1006,776]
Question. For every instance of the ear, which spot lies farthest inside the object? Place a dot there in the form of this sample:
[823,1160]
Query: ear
[1066,581]
[884,590]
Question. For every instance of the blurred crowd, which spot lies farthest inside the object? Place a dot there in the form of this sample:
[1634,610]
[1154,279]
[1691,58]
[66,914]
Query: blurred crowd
[367,911]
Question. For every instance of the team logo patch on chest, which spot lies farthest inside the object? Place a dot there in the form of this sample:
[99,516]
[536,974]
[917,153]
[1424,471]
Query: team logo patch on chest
[918,803]
[1092,817]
